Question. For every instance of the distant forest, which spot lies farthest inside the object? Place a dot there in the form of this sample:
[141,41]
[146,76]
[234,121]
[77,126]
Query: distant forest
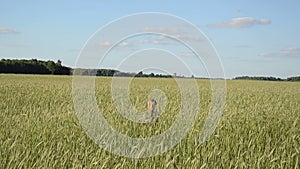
[35,66]
[111,72]
[292,79]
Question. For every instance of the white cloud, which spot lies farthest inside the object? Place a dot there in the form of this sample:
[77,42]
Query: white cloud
[168,36]
[123,44]
[105,44]
[190,38]
[156,41]
[171,30]
[166,40]
[109,44]
[8,31]
[243,22]
[286,52]
[291,49]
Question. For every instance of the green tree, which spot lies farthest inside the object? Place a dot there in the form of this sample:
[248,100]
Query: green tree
[51,66]
[58,62]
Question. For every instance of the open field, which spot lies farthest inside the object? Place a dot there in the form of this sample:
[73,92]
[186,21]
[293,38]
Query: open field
[260,127]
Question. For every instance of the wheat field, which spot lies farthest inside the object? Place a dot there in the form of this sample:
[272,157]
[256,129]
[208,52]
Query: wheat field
[260,126]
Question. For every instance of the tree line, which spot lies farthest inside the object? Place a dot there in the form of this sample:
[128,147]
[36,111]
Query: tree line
[291,79]
[112,72]
[33,66]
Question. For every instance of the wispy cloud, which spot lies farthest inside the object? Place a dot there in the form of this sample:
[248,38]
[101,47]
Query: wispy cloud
[168,36]
[172,40]
[286,52]
[190,38]
[8,31]
[123,44]
[156,40]
[175,32]
[243,22]
[171,30]
[105,44]
[110,44]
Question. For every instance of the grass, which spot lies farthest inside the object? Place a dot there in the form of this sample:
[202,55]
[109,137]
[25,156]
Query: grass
[39,129]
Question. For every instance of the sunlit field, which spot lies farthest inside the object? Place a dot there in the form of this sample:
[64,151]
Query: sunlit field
[260,126]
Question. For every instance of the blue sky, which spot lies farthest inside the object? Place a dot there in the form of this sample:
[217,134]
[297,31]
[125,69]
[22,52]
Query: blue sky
[252,37]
